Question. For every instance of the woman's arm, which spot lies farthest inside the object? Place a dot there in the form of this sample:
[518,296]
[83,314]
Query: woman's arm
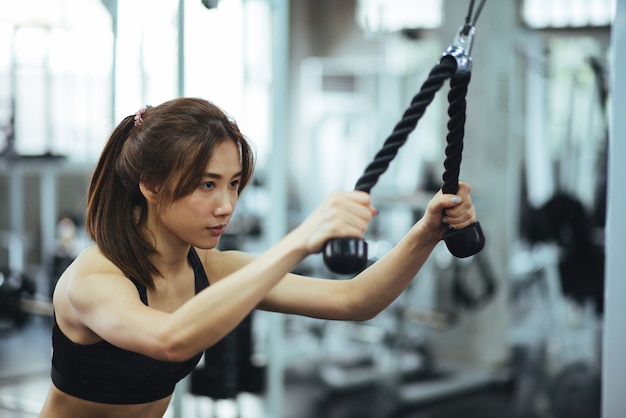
[106,303]
[371,291]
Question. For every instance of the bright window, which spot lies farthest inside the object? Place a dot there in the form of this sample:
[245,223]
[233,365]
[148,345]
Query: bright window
[57,58]
[568,13]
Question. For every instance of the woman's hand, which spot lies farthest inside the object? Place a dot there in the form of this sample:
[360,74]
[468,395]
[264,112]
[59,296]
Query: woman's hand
[342,214]
[449,211]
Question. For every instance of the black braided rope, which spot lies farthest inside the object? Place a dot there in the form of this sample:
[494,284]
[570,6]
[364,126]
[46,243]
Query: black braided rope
[456,131]
[437,76]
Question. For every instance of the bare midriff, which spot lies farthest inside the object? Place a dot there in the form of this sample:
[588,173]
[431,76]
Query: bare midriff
[62,405]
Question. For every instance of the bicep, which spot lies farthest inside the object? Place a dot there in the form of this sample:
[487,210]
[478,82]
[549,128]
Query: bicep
[111,308]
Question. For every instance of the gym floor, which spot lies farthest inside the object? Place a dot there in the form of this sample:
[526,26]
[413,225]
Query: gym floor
[24,381]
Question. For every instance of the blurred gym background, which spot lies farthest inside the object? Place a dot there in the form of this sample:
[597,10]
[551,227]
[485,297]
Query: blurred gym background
[517,330]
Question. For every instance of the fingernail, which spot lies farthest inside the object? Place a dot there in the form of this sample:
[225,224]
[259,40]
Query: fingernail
[455,200]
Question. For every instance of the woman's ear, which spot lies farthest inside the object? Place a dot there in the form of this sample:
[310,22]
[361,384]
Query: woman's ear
[149,191]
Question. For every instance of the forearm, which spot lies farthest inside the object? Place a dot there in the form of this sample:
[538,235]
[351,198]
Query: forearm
[217,310]
[380,284]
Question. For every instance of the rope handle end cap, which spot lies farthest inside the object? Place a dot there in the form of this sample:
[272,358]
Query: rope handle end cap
[465,242]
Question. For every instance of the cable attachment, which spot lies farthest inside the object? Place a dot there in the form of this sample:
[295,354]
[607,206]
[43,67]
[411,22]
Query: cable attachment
[470,240]
[347,255]
[461,49]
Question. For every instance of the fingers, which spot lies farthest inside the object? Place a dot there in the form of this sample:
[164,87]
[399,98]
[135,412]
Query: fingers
[459,219]
[454,211]
[350,212]
[458,211]
[342,214]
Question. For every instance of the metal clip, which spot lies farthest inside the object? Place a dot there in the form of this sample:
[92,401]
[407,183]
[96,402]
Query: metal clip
[461,49]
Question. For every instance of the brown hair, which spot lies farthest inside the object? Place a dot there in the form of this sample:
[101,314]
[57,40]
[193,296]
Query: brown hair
[170,149]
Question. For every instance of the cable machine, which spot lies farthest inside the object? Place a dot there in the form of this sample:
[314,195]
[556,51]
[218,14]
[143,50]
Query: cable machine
[349,255]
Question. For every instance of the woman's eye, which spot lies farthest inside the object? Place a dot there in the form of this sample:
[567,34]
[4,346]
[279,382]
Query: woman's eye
[235,184]
[208,185]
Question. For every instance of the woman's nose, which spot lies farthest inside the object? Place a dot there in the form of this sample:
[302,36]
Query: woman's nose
[224,206]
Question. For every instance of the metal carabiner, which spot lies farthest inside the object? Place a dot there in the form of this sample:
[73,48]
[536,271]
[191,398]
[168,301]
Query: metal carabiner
[461,49]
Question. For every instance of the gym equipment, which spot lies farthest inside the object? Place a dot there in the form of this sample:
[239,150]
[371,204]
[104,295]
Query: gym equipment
[9,134]
[392,355]
[564,221]
[348,255]
[227,368]
[560,336]
[557,272]
[14,289]
[575,392]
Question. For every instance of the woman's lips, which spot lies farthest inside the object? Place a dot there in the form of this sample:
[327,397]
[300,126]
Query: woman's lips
[217,230]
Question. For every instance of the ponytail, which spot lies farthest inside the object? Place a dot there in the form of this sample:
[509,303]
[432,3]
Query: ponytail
[115,210]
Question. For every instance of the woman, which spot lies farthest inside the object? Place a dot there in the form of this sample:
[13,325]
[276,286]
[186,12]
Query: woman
[134,312]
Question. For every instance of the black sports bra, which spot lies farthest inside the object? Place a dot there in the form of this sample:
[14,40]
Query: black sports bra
[104,373]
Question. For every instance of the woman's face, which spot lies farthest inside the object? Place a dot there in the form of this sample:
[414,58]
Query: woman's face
[200,218]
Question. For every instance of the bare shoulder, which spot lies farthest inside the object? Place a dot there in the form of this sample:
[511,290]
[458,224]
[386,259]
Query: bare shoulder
[88,283]
[91,270]
[219,264]
[91,260]
[94,274]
